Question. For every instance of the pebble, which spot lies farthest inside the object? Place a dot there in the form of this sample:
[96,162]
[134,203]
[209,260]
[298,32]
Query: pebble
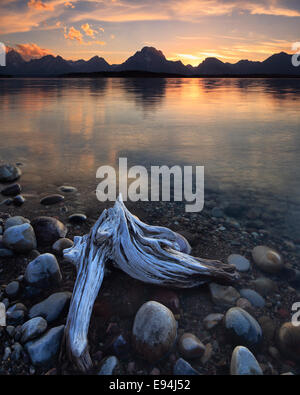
[2,314]
[9,172]
[52,199]
[265,286]
[52,307]
[223,295]
[254,298]
[243,362]
[19,200]
[17,351]
[267,259]
[77,218]
[62,244]
[43,271]
[240,262]
[110,366]
[12,190]
[289,341]
[44,350]
[67,189]
[16,220]
[190,346]
[242,328]
[217,212]
[212,320]
[33,328]
[183,368]
[12,289]
[154,331]
[244,304]
[15,315]
[20,238]
[48,230]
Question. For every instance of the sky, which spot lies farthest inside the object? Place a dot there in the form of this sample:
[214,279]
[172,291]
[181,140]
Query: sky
[186,30]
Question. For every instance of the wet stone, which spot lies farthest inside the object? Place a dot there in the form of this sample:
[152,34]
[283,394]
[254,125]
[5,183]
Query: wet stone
[48,230]
[190,346]
[43,271]
[61,245]
[240,262]
[19,200]
[52,307]
[33,328]
[52,199]
[223,295]
[20,238]
[265,286]
[16,220]
[9,173]
[242,328]
[267,259]
[12,190]
[243,362]
[12,289]
[183,368]
[289,341]
[77,218]
[154,331]
[254,298]
[67,189]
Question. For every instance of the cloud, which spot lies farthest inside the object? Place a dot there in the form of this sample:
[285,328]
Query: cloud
[39,5]
[88,30]
[31,51]
[73,34]
[69,4]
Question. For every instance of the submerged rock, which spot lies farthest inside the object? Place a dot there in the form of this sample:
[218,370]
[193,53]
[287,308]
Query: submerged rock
[52,199]
[44,351]
[243,362]
[267,259]
[20,238]
[9,172]
[48,230]
[154,331]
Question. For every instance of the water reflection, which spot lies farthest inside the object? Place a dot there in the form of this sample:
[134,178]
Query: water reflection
[244,131]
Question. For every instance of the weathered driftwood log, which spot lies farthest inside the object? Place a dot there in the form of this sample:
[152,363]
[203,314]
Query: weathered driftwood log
[152,254]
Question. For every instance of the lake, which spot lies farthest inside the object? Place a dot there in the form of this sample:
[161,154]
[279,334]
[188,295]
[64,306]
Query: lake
[246,132]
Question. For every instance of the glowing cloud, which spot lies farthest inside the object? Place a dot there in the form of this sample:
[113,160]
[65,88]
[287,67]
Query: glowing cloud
[88,30]
[39,5]
[73,34]
[31,51]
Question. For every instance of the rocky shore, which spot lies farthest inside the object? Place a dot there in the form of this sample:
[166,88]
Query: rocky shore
[136,328]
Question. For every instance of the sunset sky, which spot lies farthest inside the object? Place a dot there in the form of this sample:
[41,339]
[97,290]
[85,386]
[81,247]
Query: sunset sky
[186,30]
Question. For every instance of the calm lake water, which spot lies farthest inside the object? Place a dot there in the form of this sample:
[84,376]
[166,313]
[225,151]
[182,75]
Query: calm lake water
[246,132]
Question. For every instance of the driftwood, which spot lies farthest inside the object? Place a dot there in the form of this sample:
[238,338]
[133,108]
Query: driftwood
[151,254]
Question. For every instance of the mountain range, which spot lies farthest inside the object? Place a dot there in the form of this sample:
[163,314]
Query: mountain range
[149,59]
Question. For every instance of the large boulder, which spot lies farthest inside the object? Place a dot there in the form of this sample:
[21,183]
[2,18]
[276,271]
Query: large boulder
[48,230]
[43,271]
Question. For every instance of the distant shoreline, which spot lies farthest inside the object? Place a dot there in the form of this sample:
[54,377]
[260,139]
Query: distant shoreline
[146,74]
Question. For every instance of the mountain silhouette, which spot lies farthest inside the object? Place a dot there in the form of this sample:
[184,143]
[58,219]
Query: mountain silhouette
[148,59]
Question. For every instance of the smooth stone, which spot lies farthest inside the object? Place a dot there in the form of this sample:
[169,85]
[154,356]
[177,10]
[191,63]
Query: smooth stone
[190,346]
[7,353]
[43,271]
[9,172]
[240,262]
[183,368]
[62,244]
[244,304]
[2,314]
[110,366]
[16,220]
[16,351]
[15,317]
[20,238]
[265,286]
[52,307]
[33,328]
[267,259]
[243,362]
[242,328]
[52,199]
[48,230]
[223,295]
[289,341]
[10,330]
[154,331]
[44,350]
[254,298]
[19,200]
[212,320]
[17,306]
[12,190]
[67,189]
[77,218]
[12,289]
